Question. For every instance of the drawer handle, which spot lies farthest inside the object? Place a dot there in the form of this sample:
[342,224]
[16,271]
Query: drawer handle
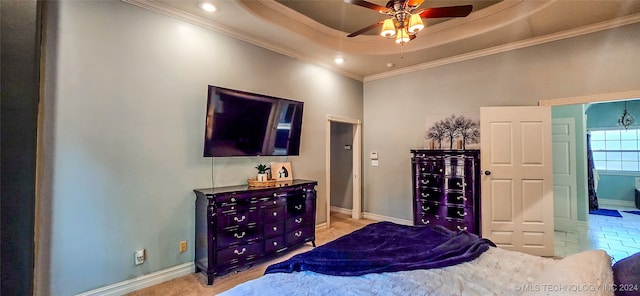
[275,228]
[233,199]
[275,202]
[461,214]
[298,207]
[425,194]
[298,233]
[424,181]
[425,221]
[459,184]
[298,220]
[461,198]
[275,214]
[239,235]
[239,252]
[461,228]
[275,244]
[425,208]
[239,220]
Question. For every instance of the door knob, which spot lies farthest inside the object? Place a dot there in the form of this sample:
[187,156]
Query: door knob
[487,173]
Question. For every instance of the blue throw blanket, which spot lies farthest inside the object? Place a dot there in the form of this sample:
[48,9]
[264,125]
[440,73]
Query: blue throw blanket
[388,247]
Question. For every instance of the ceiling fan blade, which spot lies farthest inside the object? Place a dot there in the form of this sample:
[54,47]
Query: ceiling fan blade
[451,11]
[371,27]
[414,3]
[366,4]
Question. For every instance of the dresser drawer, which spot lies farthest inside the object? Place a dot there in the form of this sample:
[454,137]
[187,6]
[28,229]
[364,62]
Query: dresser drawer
[428,208]
[238,236]
[427,219]
[299,235]
[274,228]
[456,198]
[459,213]
[272,245]
[234,218]
[271,201]
[457,183]
[298,205]
[231,198]
[427,180]
[456,225]
[272,214]
[238,254]
[432,194]
[296,222]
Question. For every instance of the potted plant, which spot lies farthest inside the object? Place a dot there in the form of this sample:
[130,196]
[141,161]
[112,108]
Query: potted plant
[262,172]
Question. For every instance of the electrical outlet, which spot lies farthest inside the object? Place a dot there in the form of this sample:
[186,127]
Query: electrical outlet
[183,246]
[139,256]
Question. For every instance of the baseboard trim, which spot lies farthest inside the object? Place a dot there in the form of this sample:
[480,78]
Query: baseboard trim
[341,210]
[386,218]
[616,202]
[142,282]
[583,224]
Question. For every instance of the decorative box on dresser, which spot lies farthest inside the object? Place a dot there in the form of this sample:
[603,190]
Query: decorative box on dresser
[236,226]
[446,188]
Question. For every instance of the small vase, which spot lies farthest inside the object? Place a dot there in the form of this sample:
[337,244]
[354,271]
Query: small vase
[262,177]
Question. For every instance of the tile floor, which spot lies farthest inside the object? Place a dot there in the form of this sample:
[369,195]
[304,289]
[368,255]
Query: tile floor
[620,237]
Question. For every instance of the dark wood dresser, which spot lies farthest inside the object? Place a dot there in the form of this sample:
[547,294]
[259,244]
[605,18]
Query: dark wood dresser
[237,226]
[446,188]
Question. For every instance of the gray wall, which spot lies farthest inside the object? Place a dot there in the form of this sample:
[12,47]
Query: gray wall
[603,62]
[614,185]
[341,165]
[577,112]
[124,111]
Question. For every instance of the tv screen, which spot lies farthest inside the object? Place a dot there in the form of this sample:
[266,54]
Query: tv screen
[240,123]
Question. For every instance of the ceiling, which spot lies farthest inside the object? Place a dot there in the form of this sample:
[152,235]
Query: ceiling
[316,30]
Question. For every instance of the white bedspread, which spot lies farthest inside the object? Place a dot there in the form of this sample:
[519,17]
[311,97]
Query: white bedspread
[495,272]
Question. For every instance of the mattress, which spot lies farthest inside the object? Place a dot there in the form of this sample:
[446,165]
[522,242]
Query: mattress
[495,272]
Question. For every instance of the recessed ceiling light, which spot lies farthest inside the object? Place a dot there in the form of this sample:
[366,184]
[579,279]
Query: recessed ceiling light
[208,7]
[339,60]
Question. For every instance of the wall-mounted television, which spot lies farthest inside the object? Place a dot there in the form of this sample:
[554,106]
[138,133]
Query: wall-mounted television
[241,123]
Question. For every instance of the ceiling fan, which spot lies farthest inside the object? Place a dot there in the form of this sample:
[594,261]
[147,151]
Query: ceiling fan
[405,17]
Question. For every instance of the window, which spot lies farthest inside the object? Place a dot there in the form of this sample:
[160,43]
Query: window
[616,150]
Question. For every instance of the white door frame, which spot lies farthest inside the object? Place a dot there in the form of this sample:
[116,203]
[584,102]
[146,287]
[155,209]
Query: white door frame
[357,164]
[616,96]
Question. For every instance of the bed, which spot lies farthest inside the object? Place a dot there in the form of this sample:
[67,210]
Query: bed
[391,259]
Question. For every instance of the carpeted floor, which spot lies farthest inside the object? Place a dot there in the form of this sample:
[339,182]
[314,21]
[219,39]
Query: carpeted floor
[606,212]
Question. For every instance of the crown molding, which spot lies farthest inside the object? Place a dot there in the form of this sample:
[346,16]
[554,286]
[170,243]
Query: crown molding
[208,24]
[602,26]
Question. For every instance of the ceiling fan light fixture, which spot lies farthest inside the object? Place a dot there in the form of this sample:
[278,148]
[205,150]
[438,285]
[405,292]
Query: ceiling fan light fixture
[415,24]
[402,36]
[208,7]
[388,29]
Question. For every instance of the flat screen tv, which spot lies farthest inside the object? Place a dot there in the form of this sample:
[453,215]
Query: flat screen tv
[240,123]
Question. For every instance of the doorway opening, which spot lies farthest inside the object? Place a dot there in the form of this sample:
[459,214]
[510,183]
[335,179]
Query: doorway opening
[354,143]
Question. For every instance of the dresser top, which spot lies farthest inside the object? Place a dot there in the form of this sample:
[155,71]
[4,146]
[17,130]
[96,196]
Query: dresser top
[238,188]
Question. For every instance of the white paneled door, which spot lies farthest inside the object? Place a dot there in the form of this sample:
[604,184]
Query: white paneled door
[565,195]
[517,181]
